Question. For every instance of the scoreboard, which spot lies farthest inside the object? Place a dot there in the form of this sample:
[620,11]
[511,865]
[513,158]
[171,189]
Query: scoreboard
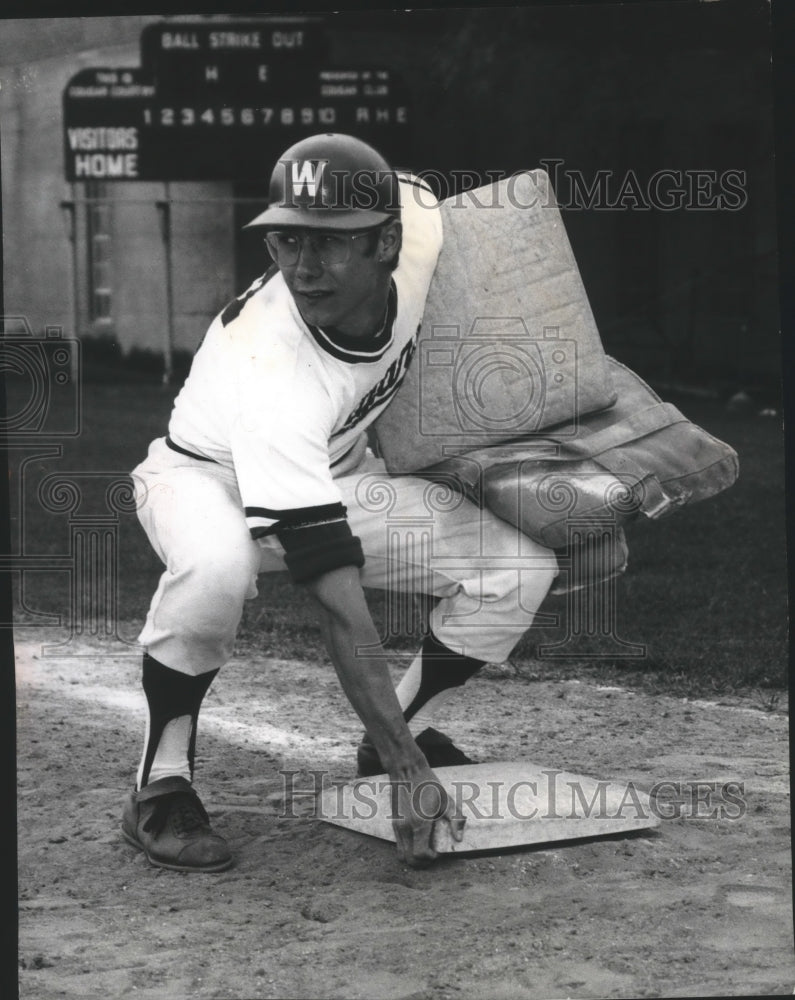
[221,101]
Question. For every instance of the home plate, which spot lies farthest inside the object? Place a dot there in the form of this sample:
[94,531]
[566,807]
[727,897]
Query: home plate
[505,805]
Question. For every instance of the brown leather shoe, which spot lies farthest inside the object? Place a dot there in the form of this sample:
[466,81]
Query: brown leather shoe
[167,821]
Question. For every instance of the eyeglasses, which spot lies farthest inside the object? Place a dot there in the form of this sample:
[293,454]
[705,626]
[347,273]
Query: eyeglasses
[330,248]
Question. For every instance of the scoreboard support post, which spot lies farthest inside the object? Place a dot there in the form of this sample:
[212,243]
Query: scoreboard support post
[69,207]
[164,214]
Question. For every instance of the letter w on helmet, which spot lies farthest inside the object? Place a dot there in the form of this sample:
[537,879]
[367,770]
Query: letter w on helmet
[331,181]
[306,176]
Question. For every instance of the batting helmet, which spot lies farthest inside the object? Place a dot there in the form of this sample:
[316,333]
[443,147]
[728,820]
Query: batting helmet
[331,181]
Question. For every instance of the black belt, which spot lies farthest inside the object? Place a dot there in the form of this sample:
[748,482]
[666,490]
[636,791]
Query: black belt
[184,451]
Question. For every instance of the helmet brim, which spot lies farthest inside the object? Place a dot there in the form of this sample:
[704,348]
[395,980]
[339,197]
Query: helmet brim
[277,216]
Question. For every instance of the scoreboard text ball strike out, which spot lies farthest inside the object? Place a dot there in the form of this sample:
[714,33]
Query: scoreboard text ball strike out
[210,104]
[232,40]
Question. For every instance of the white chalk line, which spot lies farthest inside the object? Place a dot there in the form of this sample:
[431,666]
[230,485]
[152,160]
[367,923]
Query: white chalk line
[131,707]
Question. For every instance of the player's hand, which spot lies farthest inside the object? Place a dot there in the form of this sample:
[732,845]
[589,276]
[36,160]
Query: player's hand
[418,804]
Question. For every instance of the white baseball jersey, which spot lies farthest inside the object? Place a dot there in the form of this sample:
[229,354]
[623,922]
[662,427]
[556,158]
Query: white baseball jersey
[282,402]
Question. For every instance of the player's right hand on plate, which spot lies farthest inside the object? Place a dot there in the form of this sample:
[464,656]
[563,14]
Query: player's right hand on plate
[418,804]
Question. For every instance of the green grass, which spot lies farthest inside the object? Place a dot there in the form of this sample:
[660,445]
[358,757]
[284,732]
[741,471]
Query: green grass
[705,593]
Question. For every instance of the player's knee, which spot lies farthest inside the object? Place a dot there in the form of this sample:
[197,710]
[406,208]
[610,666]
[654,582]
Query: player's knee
[529,578]
[215,611]
[222,577]
[539,579]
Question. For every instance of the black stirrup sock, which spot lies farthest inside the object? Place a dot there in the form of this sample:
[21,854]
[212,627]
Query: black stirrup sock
[170,694]
[441,669]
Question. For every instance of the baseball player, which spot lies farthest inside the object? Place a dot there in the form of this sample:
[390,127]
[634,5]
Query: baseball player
[265,466]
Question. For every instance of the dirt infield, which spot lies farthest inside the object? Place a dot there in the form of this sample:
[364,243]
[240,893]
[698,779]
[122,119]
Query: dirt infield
[701,906]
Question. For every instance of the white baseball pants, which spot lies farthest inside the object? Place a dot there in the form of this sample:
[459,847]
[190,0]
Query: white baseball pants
[417,537]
